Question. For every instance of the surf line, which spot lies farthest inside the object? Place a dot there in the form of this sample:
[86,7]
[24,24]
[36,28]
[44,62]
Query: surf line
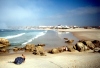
[13,36]
[40,34]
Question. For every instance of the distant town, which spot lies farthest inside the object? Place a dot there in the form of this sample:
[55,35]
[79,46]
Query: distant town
[52,27]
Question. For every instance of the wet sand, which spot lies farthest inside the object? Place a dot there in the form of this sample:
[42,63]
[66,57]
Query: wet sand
[91,35]
[62,60]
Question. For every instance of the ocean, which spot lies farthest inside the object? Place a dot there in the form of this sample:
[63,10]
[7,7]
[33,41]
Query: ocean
[51,38]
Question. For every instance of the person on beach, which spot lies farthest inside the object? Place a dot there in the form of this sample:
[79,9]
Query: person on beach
[19,60]
[23,57]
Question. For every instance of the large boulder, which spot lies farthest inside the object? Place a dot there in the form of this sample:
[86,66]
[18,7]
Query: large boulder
[80,47]
[89,44]
[30,47]
[39,50]
[4,42]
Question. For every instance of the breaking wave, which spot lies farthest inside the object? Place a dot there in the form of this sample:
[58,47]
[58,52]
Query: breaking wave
[30,40]
[13,36]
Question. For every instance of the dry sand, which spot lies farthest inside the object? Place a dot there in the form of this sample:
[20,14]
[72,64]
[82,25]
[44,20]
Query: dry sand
[61,60]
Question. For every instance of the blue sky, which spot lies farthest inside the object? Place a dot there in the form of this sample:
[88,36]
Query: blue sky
[49,12]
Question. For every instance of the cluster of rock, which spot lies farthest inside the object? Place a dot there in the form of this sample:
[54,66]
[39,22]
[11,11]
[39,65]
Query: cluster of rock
[58,50]
[80,46]
[4,43]
[84,45]
[36,49]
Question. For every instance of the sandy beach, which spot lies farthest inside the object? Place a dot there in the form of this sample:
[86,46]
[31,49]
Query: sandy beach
[61,60]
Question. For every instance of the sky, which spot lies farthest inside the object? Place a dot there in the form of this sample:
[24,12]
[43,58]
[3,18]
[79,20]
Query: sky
[49,13]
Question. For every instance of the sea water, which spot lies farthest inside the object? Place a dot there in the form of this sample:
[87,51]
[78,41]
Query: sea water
[51,38]
[21,37]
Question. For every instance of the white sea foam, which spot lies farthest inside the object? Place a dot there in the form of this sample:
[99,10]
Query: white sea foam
[67,32]
[30,40]
[13,36]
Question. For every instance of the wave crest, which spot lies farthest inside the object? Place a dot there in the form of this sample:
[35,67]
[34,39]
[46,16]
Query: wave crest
[13,36]
[40,34]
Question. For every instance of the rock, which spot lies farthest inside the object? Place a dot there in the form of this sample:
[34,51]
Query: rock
[1,45]
[3,50]
[89,44]
[69,41]
[80,47]
[70,48]
[21,49]
[65,38]
[4,42]
[39,50]
[54,51]
[82,40]
[15,49]
[41,45]
[64,48]
[96,43]
[97,49]
[60,49]
[30,47]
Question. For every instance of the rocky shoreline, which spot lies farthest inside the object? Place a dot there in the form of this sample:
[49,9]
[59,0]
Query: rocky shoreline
[80,46]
